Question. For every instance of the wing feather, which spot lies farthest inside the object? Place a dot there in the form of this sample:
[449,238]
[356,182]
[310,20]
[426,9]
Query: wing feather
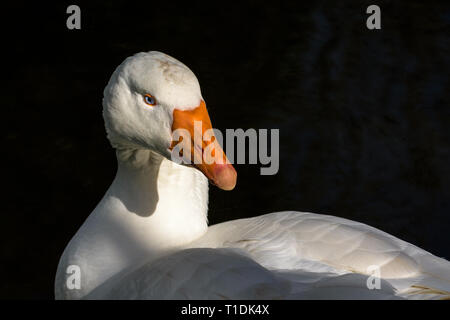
[287,255]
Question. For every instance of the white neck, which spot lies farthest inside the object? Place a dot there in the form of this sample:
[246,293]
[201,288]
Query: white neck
[153,205]
[161,202]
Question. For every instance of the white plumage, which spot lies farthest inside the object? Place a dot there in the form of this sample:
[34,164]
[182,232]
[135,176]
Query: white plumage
[148,238]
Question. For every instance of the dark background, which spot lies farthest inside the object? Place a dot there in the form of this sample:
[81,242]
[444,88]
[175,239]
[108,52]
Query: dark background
[363,115]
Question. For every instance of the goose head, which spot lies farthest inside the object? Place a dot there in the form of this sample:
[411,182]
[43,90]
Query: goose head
[148,100]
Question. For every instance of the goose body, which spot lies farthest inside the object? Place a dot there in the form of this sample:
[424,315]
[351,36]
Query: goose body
[148,238]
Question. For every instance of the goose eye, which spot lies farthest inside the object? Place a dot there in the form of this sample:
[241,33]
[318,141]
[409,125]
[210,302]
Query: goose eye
[148,99]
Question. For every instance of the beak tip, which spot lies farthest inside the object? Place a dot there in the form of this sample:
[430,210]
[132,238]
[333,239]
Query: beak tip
[225,177]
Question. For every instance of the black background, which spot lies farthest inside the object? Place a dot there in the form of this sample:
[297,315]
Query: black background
[363,115]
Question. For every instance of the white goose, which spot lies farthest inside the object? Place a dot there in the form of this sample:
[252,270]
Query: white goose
[149,238]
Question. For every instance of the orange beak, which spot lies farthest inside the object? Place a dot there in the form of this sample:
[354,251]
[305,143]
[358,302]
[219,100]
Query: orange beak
[207,156]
